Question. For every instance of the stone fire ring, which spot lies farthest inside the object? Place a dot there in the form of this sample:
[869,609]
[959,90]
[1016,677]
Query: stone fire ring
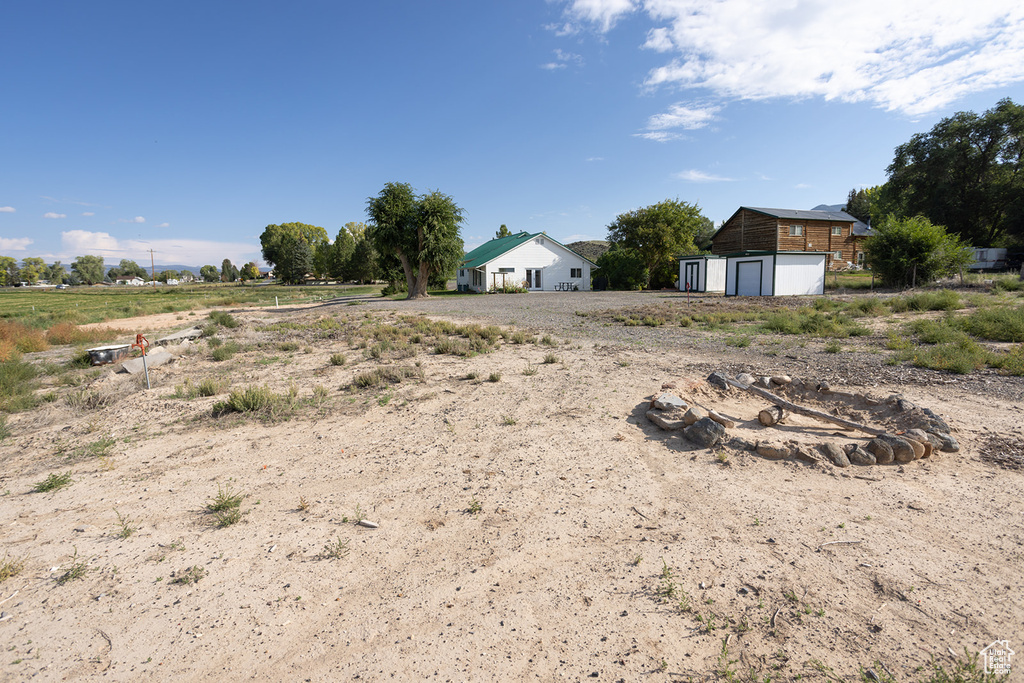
[890,430]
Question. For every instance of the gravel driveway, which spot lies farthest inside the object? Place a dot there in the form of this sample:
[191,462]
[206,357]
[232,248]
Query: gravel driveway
[585,317]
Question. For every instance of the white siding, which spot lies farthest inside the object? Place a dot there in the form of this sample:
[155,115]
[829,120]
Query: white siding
[799,274]
[731,269]
[710,274]
[554,262]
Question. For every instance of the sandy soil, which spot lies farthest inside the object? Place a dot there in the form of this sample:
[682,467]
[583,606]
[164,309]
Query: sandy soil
[528,528]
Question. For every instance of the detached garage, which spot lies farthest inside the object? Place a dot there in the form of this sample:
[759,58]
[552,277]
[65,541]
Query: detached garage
[702,273]
[773,273]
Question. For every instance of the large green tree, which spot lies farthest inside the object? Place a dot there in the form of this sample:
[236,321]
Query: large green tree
[88,269]
[623,268]
[421,231]
[659,234]
[913,251]
[209,273]
[966,173]
[9,271]
[503,231]
[127,268]
[250,271]
[279,241]
[228,271]
[363,264]
[32,269]
[55,273]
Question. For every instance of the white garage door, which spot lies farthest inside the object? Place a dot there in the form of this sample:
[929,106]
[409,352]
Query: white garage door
[748,278]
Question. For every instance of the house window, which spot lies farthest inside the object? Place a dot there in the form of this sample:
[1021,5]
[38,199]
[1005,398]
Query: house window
[575,272]
[796,231]
[837,230]
[837,255]
[860,258]
[462,272]
[506,270]
[478,278]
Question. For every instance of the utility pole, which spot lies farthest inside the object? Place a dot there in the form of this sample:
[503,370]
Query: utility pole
[152,268]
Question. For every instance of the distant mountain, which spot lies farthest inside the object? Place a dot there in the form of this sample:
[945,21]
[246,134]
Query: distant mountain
[829,207]
[590,249]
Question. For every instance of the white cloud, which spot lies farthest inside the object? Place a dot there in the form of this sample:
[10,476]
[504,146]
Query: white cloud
[913,56]
[164,225]
[190,252]
[14,243]
[695,176]
[51,214]
[137,219]
[595,158]
[88,213]
[801,186]
[563,59]
[7,209]
[602,12]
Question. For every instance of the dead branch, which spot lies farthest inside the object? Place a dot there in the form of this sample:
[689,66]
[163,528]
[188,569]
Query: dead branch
[809,412]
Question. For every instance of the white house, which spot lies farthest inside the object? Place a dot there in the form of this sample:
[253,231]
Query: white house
[775,273]
[535,261]
[702,274]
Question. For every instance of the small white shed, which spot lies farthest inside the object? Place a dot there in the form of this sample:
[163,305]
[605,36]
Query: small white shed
[775,273]
[702,273]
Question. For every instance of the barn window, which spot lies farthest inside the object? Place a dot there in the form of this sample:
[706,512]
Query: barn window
[575,272]
[796,231]
[506,270]
[837,230]
[837,255]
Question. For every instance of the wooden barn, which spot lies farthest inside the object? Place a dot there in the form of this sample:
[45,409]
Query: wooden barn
[701,273]
[836,233]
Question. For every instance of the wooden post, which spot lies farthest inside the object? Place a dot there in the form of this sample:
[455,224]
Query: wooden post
[809,412]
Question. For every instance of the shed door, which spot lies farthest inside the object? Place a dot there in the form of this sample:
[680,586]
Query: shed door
[691,276]
[748,278]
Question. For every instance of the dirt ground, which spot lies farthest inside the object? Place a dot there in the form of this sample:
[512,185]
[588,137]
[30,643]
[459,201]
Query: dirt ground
[534,527]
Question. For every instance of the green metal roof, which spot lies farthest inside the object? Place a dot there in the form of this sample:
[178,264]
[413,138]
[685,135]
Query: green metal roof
[488,251]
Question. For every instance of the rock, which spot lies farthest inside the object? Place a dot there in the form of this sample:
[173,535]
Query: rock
[904,406]
[705,432]
[901,450]
[664,419]
[881,450]
[725,422]
[772,415]
[859,456]
[717,379]
[764,382]
[781,380]
[668,385]
[927,441]
[367,523]
[949,444]
[773,451]
[694,414]
[745,378]
[824,387]
[668,402]
[871,401]
[155,358]
[801,453]
[937,424]
[741,444]
[917,446]
[835,454]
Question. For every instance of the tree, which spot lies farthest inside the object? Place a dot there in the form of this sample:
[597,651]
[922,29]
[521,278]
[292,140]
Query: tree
[127,268]
[339,259]
[905,252]
[421,231]
[209,274]
[658,234]
[88,269]
[228,272]
[503,231]
[165,275]
[276,248]
[250,271]
[363,264]
[858,204]
[623,267]
[8,271]
[55,273]
[32,269]
[967,173]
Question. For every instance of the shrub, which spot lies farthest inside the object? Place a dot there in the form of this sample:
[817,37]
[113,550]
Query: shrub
[997,324]
[252,399]
[910,251]
[337,359]
[223,318]
[17,384]
[225,351]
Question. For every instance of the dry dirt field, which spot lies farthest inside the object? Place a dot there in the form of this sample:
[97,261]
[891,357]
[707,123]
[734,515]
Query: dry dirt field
[533,527]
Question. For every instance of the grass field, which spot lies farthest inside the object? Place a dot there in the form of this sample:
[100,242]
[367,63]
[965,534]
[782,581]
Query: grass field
[41,309]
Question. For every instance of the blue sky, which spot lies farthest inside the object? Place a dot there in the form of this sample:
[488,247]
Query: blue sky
[188,127]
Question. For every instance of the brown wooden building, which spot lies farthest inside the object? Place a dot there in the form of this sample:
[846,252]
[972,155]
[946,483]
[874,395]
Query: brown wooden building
[758,229]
